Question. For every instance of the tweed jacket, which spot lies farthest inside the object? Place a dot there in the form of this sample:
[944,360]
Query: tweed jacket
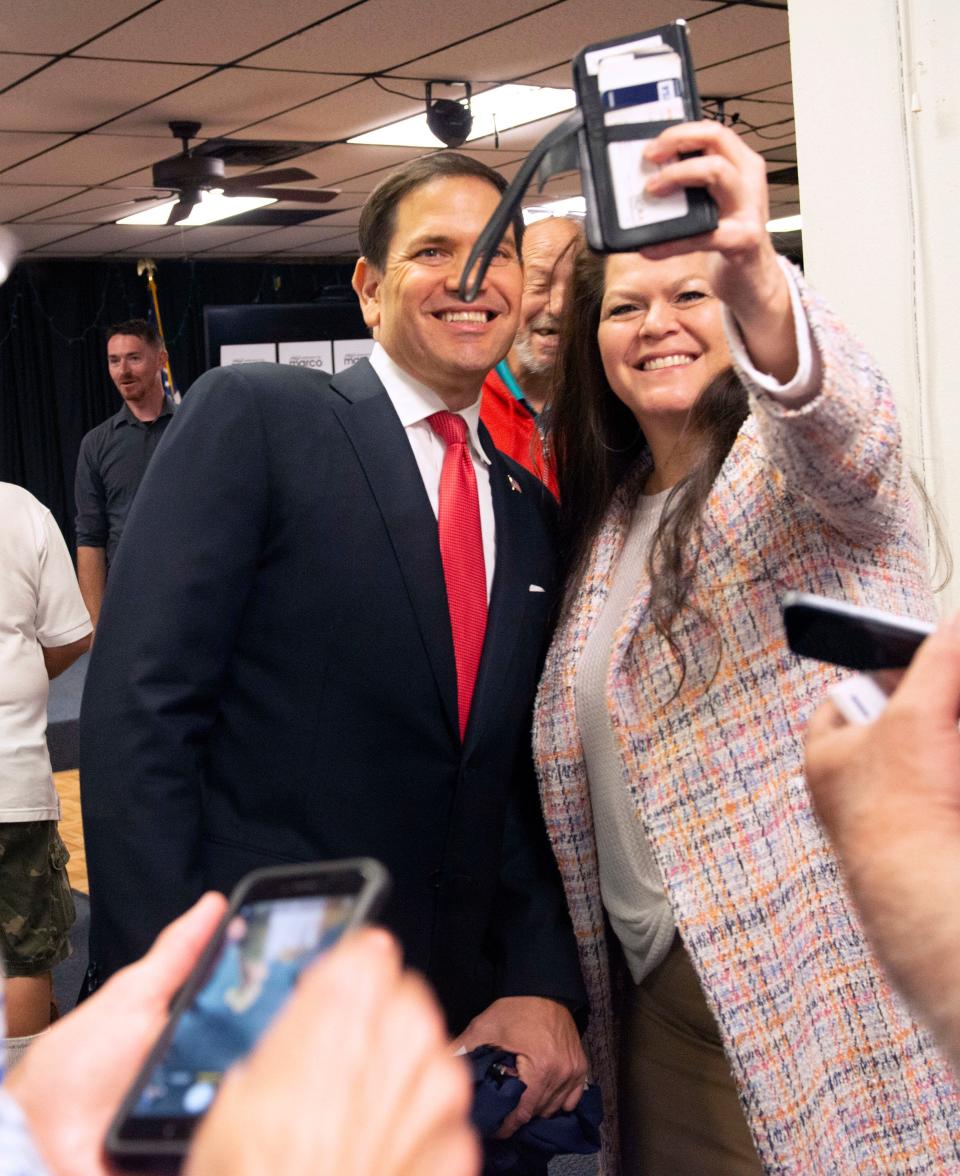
[834,1076]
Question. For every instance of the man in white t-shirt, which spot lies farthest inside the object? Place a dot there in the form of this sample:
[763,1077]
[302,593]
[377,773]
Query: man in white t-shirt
[44,628]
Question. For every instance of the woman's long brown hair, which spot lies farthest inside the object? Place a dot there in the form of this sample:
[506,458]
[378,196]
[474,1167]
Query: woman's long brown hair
[597,443]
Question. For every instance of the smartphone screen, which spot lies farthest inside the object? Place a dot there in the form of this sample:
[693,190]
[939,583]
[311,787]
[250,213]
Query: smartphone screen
[279,922]
[266,947]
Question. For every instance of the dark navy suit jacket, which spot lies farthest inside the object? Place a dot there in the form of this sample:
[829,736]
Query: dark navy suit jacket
[273,680]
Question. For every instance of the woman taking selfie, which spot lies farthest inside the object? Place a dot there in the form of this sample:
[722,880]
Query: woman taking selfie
[720,438]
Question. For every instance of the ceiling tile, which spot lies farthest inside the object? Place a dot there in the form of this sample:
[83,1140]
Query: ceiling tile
[549,37]
[732,32]
[376,35]
[228,99]
[183,30]
[347,246]
[34,236]
[279,239]
[781,154]
[14,66]
[107,238]
[771,136]
[18,145]
[21,199]
[55,26]
[191,241]
[85,201]
[348,165]
[345,111]
[77,93]
[94,159]
[778,93]
[781,208]
[768,67]
[306,94]
[102,206]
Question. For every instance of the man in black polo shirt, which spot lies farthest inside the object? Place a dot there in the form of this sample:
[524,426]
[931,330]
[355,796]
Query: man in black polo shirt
[114,456]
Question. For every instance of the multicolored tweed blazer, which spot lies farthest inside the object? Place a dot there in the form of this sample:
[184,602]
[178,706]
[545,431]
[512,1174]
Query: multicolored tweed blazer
[834,1075]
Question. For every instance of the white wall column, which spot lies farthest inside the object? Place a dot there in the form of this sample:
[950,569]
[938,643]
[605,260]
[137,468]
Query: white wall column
[877,99]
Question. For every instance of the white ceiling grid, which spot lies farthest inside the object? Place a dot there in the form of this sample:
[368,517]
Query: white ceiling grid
[87,88]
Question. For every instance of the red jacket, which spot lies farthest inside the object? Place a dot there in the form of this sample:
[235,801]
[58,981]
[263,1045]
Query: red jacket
[514,429]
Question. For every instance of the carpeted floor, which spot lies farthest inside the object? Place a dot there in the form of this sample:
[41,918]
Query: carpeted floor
[63,713]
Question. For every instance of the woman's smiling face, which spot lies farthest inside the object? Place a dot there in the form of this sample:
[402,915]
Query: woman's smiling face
[661,335]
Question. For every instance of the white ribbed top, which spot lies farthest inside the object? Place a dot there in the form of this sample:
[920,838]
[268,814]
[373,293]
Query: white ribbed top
[630,880]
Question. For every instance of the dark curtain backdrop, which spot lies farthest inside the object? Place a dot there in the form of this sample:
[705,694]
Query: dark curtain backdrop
[54,385]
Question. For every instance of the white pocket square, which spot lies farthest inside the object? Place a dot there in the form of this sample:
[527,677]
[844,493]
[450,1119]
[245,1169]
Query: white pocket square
[536,588]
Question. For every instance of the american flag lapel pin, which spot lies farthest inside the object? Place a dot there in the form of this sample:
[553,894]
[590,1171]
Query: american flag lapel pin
[514,484]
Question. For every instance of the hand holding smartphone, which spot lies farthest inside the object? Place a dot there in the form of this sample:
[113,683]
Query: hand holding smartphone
[850,635]
[278,922]
[629,89]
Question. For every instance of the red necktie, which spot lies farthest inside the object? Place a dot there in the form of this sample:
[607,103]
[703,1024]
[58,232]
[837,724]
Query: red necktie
[461,549]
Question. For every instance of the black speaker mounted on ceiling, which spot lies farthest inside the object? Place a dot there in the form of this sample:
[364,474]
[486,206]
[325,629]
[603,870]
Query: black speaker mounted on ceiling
[449,119]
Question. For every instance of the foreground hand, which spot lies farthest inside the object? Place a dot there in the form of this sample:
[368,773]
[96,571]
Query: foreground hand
[889,796]
[72,1079]
[355,1078]
[550,1059]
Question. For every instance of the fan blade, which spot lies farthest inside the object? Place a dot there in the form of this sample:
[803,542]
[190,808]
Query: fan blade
[279,175]
[182,209]
[299,195]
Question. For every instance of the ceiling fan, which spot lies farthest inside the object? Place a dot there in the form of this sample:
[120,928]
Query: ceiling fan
[191,173]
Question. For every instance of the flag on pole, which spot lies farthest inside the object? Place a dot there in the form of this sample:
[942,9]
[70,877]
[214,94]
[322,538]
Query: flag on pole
[148,266]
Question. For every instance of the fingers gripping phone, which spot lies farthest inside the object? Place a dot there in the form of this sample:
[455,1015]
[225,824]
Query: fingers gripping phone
[850,635]
[279,920]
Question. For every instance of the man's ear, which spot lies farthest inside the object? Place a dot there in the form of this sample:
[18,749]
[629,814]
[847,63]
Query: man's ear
[366,284]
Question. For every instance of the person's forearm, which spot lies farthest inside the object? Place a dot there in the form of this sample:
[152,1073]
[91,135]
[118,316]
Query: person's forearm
[92,575]
[764,315]
[58,658]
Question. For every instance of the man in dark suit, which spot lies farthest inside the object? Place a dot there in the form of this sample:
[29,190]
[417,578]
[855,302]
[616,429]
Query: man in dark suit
[296,661]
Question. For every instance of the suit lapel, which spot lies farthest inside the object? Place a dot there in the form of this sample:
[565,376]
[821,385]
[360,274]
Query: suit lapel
[378,439]
[507,597]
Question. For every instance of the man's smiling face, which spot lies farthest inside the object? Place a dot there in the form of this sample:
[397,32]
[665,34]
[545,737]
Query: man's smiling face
[549,247]
[134,366]
[421,322]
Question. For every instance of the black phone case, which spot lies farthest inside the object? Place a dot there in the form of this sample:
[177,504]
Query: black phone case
[604,233]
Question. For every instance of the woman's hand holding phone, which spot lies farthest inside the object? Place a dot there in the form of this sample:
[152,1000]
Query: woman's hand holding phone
[746,273]
[889,796]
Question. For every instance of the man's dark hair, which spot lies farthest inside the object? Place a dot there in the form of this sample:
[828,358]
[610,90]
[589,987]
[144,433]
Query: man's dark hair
[379,214]
[140,327]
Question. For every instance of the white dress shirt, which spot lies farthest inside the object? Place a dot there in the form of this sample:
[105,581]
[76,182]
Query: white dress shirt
[414,402]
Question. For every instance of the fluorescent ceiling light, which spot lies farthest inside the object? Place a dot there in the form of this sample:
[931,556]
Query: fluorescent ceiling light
[213,206]
[785,224]
[572,206]
[498,109]
[9,248]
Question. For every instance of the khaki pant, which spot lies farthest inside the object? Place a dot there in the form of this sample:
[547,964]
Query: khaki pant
[679,1112]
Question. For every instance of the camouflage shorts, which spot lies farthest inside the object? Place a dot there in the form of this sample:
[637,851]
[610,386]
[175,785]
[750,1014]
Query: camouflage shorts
[36,906]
